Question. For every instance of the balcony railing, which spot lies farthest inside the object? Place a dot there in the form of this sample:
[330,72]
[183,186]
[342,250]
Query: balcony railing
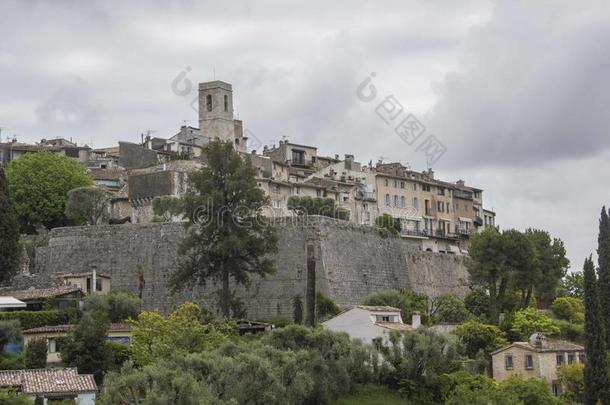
[414,232]
[365,195]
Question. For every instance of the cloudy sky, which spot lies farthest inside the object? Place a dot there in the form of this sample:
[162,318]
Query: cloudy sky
[514,91]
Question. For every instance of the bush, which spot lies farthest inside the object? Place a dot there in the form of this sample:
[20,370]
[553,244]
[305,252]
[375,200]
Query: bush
[10,331]
[389,224]
[477,302]
[571,377]
[569,308]
[10,397]
[35,353]
[478,336]
[11,361]
[531,391]
[118,353]
[325,307]
[117,305]
[35,319]
[530,320]
[450,308]
[165,207]
[574,332]
[406,301]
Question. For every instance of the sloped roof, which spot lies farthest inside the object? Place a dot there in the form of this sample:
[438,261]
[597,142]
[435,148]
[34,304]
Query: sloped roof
[33,293]
[48,381]
[114,327]
[550,345]
[394,325]
[378,308]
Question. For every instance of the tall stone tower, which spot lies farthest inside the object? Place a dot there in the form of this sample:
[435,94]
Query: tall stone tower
[216,114]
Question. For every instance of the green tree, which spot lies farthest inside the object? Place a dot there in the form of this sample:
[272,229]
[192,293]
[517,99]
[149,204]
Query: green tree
[569,308]
[530,320]
[35,354]
[10,397]
[388,223]
[530,391]
[406,301]
[297,307]
[117,305]
[550,265]
[86,205]
[323,206]
[477,336]
[10,331]
[85,346]
[571,377]
[572,283]
[450,308]
[9,232]
[603,272]
[39,185]
[325,307]
[156,337]
[477,302]
[595,373]
[165,207]
[227,237]
[520,261]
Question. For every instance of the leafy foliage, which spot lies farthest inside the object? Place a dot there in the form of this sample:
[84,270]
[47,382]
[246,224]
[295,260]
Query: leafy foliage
[477,302]
[406,301]
[297,308]
[9,232]
[326,207]
[39,184]
[530,391]
[86,205]
[325,307]
[571,377]
[35,319]
[530,320]
[478,337]
[10,331]
[569,308]
[10,397]
[85,346]
[156,337]
[228,237]
[117,305]
[388,223]
[35,354]
[166,206]
[450,308]
[573,284]
[603,273]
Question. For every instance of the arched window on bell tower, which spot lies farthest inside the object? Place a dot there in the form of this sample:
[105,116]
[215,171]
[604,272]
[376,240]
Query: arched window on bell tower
[208,102]
[226,103]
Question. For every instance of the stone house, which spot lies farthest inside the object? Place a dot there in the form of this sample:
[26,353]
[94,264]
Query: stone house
[118,333]
[51,384]
[88,281]
[36,299]
[538,357]
[371,323]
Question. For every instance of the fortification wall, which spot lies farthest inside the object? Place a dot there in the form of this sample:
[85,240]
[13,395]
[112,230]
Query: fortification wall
[352,262]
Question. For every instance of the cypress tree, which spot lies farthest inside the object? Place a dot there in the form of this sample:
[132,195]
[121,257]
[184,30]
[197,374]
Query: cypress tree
[9,232]
[603,271]
[595,374]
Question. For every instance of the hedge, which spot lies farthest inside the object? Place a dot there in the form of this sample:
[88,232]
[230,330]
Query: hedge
[35,319]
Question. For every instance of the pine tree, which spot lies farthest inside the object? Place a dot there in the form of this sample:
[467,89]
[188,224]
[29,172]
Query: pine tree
[9,232]
[596,378]
[603,271]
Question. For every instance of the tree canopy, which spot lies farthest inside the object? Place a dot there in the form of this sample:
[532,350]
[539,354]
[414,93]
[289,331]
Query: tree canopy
[87,205]
[39,184]
[227,236]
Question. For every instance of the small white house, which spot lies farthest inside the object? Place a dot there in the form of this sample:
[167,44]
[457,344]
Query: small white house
[369,322]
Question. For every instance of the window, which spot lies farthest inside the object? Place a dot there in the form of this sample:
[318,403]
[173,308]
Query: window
[396,201]
[208,102]
[387,200]
[226,103]
[414,186]
[560,359]
[508,362]
[298,157]
[440,206]
[581,357]
[98,285]
[318,193]
[425,187]
[529,362]
[415,203]
[298,190]
[427,206]
[570,358]
[402,201]
[395,183]
[441,191]
[556,388]
[402,184]
[386,182]
[52,343]
[275,188]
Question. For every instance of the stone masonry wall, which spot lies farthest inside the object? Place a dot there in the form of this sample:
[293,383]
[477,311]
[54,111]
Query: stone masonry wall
[352,262]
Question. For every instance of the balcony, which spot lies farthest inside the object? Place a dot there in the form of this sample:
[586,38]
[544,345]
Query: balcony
[365,195]
[441,233]
[466,195]
[413,233]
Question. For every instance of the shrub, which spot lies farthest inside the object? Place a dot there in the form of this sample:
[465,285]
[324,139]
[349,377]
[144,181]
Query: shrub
[574,332]
[325,307]
[165,207]
[117,305]
[297,309]
[530,320]
[10,331]
[388,224]
[477,302]
[571,378]
[119,354]
[569,308]
[530,391]
[11,361]
[478,336]
[450,308]
[406,301]
[10,397]
[35,319]
[35,353]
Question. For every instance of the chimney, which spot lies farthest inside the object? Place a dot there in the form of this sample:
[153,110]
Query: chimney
[415,320]
[460,182]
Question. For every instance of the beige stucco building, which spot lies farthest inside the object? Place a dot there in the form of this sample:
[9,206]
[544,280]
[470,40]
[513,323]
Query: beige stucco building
[538,358]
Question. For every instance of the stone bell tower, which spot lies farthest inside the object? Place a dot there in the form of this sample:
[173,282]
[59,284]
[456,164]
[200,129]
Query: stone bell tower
[216,113]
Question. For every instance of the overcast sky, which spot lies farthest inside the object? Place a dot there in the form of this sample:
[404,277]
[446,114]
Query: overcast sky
[517,92]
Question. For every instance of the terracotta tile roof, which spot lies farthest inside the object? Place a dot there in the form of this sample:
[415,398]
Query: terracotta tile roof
[378,308]
[394,325]
[79,274]
[550,345]
[47,381]
[114,327]
[33,293]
